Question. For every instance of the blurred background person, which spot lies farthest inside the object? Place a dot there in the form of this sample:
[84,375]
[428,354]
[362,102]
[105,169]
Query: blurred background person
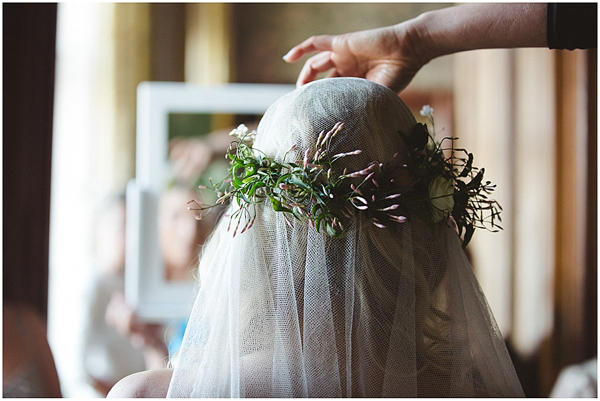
[147,337]
[193,158]
[28,369]
[107,355]
[577,381]
[116,343]
[180,235]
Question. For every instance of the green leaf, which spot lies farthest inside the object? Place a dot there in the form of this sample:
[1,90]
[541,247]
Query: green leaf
[315,208]
[469,230]
[277,205]
[250,168]
[468,166]
[331,231]
[297,214]
[282,178]
[420,136]
[318,222]
[298,181]
[476,182]
[250,178]
[256,185]
[237,183]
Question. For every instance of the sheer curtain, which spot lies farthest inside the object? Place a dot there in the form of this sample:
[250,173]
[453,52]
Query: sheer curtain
[93,155]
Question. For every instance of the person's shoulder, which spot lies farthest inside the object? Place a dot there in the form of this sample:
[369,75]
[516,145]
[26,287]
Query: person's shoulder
[146,384]
[28,315]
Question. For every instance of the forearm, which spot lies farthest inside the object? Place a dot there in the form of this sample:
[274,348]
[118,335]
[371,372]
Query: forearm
[479,26]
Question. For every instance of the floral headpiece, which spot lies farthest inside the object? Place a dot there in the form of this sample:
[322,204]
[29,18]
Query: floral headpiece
[307,190]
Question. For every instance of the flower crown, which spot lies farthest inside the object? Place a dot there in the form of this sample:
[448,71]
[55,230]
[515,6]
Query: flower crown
[440,187]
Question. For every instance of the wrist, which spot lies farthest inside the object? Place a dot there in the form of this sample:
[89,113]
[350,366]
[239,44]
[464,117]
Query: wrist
[480,26]
[416,39]
[432,36]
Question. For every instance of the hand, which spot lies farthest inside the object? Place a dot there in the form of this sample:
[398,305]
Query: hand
[392,56]
[142,335]
[384,55]
[189,157]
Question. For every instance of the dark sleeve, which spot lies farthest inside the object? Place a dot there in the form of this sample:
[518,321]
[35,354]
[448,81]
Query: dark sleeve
[572,25]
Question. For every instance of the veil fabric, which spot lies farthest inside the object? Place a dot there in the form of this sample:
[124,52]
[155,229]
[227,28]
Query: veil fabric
[286,311]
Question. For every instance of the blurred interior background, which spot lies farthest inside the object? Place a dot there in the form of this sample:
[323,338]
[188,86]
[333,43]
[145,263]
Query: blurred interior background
[70,77]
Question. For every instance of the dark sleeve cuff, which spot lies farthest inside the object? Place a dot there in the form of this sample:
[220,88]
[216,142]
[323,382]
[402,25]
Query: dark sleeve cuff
[572,25]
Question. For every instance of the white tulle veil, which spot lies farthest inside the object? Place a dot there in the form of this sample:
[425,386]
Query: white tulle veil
[289,312]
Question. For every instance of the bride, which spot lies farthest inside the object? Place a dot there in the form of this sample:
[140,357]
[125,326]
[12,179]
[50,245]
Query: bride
[344,277]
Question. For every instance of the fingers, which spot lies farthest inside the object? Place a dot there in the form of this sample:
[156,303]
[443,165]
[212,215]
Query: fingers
[189,158]
[123,318]
[119,315]
[334,74]
[312,44]
[314,66]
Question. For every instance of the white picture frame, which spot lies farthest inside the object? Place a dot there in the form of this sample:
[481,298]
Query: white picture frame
[153,297]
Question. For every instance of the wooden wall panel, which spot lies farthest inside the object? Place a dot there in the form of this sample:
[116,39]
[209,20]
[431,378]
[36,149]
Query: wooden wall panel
[29,34]
[575,291]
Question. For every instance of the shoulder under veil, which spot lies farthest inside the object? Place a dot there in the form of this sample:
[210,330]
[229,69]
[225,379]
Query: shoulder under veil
[286,311]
